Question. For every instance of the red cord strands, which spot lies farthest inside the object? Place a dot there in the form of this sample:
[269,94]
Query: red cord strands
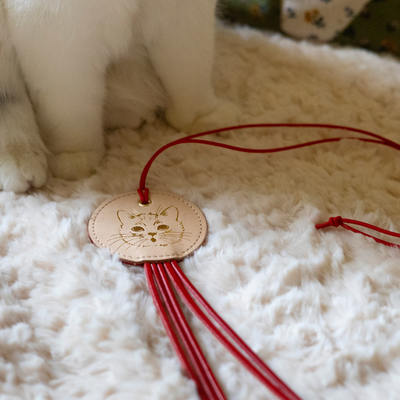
[203,370]
[167,323]
[161,278]
[264,373]
[173,324]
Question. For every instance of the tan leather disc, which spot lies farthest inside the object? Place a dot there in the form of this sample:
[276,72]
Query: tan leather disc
[169,228]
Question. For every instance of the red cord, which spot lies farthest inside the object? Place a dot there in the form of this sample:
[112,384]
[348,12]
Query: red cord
[167,322]
[144,192]
[203,370]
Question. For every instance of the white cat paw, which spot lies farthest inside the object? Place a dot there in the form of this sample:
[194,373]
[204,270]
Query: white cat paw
[21,169]
[75,165]
[223,115]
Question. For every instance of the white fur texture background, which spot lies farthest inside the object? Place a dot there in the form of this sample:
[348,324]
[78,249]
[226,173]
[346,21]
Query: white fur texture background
[322,308]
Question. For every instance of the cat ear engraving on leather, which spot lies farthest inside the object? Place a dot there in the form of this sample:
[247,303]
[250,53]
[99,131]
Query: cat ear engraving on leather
[169,228]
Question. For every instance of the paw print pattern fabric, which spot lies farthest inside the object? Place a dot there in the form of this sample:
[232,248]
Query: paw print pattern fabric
[318,20]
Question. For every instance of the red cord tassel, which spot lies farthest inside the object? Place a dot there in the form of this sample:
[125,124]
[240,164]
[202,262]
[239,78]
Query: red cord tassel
[162,280]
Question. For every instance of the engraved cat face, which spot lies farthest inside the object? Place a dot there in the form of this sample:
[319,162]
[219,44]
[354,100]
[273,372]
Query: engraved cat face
[145,229]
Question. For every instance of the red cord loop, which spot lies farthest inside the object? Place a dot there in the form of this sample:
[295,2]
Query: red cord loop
[193,139]
[334,221]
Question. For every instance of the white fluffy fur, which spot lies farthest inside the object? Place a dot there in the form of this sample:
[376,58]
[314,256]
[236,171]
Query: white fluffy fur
[65,49]
[322,308]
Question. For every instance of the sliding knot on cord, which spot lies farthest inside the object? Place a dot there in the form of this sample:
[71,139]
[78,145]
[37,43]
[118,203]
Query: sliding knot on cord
[343,222]
[333,221]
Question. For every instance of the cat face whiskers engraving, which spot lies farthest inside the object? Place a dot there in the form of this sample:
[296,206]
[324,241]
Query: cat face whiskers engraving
[140,229]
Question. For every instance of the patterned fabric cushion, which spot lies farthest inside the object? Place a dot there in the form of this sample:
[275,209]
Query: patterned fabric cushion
[320,20]
[376,27]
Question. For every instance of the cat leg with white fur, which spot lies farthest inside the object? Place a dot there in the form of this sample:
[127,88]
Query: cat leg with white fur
[22,152]
[71,116]
[68,93]
[181,48]
[64,59]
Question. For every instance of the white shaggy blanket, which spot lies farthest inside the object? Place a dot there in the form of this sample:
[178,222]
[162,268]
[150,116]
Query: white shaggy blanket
[322,308]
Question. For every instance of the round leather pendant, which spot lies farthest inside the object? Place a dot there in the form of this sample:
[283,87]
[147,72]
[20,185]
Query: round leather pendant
[168,228]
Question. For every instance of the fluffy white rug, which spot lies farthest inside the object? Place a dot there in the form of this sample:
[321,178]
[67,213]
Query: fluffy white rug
[322,308]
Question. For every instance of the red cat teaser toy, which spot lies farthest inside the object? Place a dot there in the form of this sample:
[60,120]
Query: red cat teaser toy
[156,230]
